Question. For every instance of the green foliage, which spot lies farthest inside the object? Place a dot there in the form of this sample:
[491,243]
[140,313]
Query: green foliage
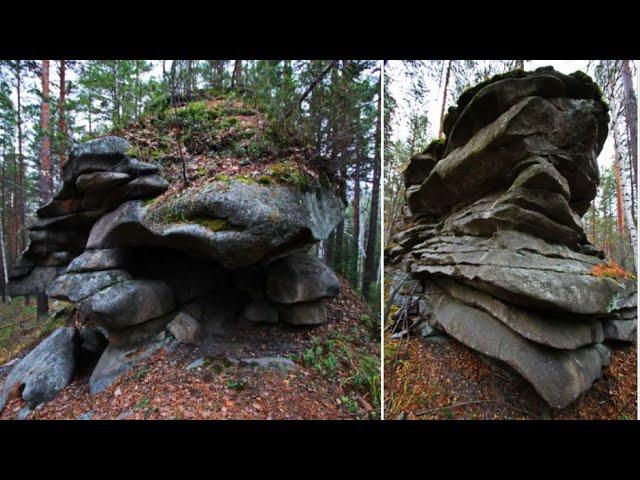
[141,373]
[238,384]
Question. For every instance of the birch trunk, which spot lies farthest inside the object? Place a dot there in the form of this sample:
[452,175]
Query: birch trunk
[626,200]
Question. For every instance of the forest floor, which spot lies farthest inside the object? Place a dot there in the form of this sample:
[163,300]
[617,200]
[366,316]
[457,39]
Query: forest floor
[20,329]
[447,380]
[337,376]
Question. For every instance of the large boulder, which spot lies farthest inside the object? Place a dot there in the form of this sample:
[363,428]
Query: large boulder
[495,253]
[131,302]
[300,278]
[46,370]
[234,223]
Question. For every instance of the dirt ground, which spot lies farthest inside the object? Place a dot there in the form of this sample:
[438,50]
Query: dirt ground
[447,380]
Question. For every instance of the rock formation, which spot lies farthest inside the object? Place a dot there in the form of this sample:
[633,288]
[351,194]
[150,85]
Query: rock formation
[203,260]
[493,243]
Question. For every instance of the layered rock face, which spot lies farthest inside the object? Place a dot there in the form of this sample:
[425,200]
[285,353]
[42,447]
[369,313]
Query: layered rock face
[494,246]
[205,261]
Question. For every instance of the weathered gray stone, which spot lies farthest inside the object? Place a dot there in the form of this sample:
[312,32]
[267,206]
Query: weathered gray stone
[116,361]
[300,278]
[38,280]
[100,181]
[46,370]
[264,362]
[621,330]
[104,259]
[259,221]
[131,302]
[532,126]
[185,328]
[136,168]
[75,287]
[58,208]
[107,146]
[557,331]
[147,186]
[496,236]
[559,376]
[71,220]
[141,332]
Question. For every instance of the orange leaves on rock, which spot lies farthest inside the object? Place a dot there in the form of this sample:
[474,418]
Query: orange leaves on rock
[611,269]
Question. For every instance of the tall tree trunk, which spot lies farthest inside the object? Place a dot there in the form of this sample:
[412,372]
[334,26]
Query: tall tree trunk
[173,81]
[62,121]
[370,257]
[46,176]
[520,64]
[631,114]
[356,223]
[626,199]
[236,81]
[3,252]
[593,222]
[444,99]
[116,95]
[21,193]
[189,78]
[619,209]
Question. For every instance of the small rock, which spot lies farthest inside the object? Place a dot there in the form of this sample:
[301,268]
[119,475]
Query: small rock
[85,416]
[280,362]
[427,330]
[196,363]
[185,329]
[24,413]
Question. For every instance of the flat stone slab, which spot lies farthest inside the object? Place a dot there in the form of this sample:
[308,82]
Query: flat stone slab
[116,361]
[103,259]
[559,376]
[131,302]
[279,362]
[75,287]
[44,371]
[252,222]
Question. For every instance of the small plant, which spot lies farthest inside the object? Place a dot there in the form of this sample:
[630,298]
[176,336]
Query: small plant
[141,373]
[236,384]
[350,404]
[142,404]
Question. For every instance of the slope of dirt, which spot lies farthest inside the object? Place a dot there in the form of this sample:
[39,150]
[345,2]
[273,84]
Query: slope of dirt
[336,376]
[447,380]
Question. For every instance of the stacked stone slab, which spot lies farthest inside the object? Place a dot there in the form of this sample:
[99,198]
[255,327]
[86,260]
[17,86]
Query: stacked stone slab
[98,176]
[196,263]
[494,237]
